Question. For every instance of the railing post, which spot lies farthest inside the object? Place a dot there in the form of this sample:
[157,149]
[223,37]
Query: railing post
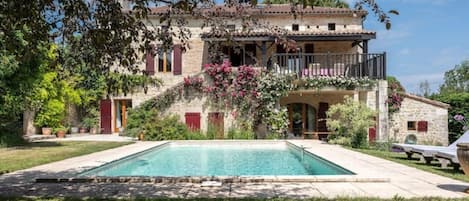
[384,65]
[300,61]
[328,62]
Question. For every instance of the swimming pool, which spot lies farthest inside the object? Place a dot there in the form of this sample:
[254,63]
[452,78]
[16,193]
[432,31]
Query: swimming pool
[176,159]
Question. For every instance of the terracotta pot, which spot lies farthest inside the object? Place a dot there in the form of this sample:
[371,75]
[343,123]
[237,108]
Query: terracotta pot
[74,130]
[83,130]
[60,134]
[94,130]
[141,136]
[463,157]
[46,131]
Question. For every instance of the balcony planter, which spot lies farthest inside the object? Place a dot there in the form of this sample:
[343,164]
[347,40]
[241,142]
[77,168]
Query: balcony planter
[463,157]
[46,130]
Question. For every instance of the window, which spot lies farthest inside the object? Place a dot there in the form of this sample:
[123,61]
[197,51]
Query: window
[309,48]
[331,26]
[231,27]
[411,125]
[295,27]
[165,61]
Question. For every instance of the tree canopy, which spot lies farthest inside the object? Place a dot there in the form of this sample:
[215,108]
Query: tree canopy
[457,79]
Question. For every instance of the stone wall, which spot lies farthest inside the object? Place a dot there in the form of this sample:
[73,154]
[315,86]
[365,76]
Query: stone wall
[420,109]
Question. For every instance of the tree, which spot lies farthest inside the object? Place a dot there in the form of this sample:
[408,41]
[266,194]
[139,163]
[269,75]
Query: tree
[455,92]
[117,37]
[424,89]
[456,79]
[459,103]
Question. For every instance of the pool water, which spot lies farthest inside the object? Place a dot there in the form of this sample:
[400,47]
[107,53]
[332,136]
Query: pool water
[220,160]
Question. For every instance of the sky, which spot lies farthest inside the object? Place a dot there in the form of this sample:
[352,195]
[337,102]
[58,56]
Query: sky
[427,38]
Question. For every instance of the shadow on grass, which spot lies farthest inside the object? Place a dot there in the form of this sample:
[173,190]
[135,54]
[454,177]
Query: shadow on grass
[453,187]
[31,145]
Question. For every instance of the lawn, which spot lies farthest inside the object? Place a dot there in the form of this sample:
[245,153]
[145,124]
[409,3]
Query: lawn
[37,153]
[402,158]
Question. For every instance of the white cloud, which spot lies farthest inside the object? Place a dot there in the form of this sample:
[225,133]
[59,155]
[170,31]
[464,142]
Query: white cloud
[404,51]
[411,82]
[433,2]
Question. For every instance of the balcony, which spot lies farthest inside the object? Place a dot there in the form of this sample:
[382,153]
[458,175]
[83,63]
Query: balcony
[356,65]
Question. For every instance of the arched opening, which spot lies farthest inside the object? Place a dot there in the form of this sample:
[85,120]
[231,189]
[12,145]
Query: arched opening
[302,118]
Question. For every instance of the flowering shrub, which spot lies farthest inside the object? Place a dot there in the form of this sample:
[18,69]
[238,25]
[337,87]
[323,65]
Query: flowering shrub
[244,91]
[394,95]
[460,118]
[221,77]
[338,82]
[195,83]
[349,121]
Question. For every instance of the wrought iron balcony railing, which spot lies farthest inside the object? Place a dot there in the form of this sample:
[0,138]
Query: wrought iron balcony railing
[356,65]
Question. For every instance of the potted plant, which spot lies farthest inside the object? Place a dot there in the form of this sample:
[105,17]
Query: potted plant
[50,116]
[60,131]
[91,122]
[83,129]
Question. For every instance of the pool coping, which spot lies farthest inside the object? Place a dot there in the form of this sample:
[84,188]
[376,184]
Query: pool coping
[357,177]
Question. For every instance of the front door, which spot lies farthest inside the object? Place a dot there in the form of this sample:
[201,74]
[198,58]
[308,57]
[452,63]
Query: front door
[302,118]
[120,117]
[216,122]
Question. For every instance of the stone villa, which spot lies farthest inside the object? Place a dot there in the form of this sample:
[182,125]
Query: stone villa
[329,41]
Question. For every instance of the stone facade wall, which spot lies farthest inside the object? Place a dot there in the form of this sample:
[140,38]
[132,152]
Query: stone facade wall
[199,105]
[197,55]
[415,110]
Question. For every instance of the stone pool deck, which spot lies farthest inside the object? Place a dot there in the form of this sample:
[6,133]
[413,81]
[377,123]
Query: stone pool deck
[394,179]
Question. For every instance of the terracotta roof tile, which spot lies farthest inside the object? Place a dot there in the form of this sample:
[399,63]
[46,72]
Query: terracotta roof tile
[426,100]
[280,9]
[293,33]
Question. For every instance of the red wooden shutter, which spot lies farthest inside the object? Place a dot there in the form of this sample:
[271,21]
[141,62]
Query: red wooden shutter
[372,134]
[323,107]
[422,126]
[193,120]
[105,109]
[150,61]
[177,54]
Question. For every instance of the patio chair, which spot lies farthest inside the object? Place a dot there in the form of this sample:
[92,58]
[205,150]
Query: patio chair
[428,151]
[448,155]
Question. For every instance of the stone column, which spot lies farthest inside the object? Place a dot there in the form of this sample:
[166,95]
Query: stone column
[382,108]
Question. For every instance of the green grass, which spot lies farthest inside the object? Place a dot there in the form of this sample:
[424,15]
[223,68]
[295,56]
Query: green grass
[37,153]
[434,167]
[238,199]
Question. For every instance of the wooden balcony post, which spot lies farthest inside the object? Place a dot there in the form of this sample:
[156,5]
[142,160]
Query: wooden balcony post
[264,54]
